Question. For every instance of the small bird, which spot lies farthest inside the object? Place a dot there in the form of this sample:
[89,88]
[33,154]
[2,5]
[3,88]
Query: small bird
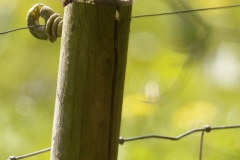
[65,2]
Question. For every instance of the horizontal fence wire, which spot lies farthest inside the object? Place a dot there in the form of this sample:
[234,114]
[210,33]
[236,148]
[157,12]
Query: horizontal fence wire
[17,29]
[148,15]
[187,11]
[29,155]
[206,128]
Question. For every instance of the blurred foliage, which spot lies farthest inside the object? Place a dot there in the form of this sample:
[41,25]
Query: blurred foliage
[183,72]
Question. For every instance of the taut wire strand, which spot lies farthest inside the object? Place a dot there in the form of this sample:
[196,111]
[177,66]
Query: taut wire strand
[186,11]
[17,29]
[147,15]
[30,154]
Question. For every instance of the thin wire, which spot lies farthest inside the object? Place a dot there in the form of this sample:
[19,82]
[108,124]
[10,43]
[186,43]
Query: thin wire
[206,128]
[201,144]
[186,11]
[29,155]
[146,15]
[17,29]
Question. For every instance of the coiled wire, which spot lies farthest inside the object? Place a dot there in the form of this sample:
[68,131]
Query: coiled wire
[53,23]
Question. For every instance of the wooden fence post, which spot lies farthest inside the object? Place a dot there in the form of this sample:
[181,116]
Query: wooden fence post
[91,80]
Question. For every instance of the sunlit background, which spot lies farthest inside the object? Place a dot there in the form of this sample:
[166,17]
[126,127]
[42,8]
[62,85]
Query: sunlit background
[183,72]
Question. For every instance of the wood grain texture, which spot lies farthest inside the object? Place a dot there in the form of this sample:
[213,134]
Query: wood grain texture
[90,83]
[122,30]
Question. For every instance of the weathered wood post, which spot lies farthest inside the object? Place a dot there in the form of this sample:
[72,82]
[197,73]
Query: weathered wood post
[91,80]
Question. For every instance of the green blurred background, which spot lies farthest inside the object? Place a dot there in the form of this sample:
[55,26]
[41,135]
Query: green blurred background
[183,72]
